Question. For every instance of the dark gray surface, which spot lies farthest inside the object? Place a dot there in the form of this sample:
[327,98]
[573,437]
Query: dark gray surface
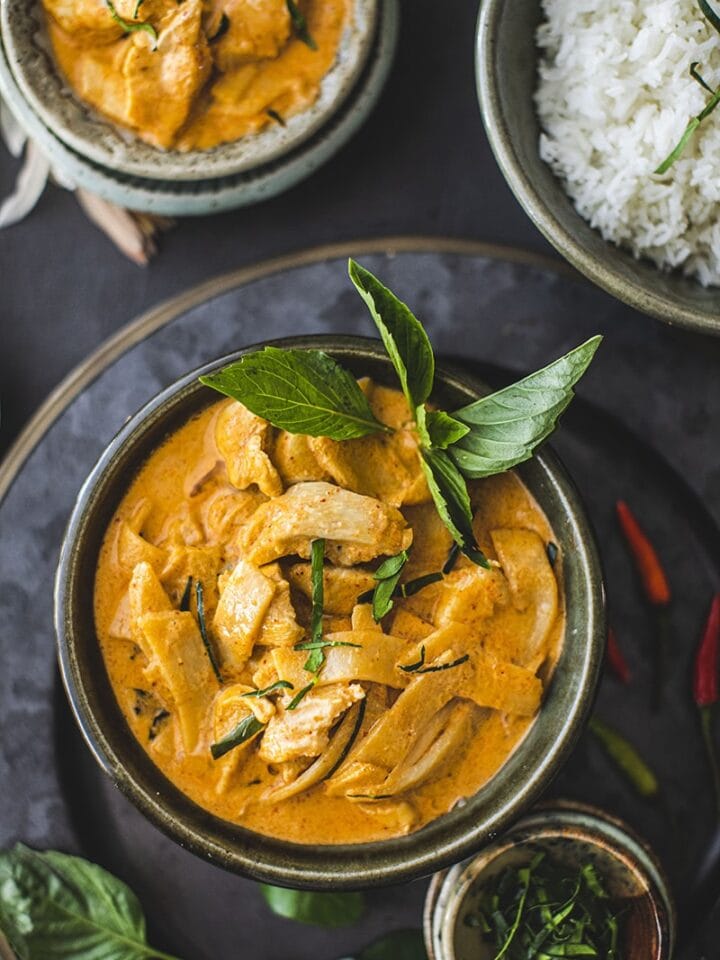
[59,798]
[421,165]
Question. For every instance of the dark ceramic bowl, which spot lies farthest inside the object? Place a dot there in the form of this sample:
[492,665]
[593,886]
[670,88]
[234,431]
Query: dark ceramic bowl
[506,69]
[446,840]
[572,834]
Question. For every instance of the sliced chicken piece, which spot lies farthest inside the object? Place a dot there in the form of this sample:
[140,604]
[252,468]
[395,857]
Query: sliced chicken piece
[280,627]
[244,441]
[132,549]
[356,528]
[89,21]
[304,732]
[341,586]
[469,596]
[534,594]
[371,466]
[177,653]
[226,510]
[171,72]
[295,460]
[145,595]
[257,30]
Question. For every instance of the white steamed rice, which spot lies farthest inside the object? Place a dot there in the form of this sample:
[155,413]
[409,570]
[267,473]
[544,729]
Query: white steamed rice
[614,98]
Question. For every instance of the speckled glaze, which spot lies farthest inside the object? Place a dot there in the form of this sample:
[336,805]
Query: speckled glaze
[81,128]
[201,197]
[506,69]
[449,838]
[572,833]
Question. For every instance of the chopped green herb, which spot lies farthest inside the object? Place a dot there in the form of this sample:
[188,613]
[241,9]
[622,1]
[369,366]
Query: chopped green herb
[222,29]
[244,731]
[187,593]
[316,659]
[552,551]
[387,574]
[274,115]
[412,587]
[414,667]
[322,644]
[200,602]
[452,559]
[278,685]
[300,25]
[301,694]
[131,26]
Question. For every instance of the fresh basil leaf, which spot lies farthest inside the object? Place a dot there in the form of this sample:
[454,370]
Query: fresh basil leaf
[402,333]
[57,907]
[301,694]
[200,604]
[301,391]
[507,426]
[132,26]
[244,731]
[443,430]
[388,575]
[316,660]
[399,945]
[320,909]
[278,685]
[449,491]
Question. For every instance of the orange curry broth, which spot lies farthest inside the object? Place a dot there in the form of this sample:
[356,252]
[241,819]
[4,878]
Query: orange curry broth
[193,91]
[232,787]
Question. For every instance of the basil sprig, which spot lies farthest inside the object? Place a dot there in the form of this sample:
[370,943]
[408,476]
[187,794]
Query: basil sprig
[54,906]
[301,391]
[305,391]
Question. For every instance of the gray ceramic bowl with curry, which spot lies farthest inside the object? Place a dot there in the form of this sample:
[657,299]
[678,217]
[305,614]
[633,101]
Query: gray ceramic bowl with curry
[426,732]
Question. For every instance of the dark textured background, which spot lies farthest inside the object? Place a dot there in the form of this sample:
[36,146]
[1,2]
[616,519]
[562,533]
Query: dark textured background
[421,165]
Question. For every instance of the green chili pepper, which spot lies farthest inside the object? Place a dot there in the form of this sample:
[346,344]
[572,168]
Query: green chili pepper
[626,757]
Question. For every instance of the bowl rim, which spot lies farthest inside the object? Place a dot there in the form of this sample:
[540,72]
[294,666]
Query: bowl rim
[104,143]
[331,867]
[643,298]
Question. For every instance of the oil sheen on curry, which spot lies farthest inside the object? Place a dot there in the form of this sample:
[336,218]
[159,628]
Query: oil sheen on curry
[407,715]
[195,74]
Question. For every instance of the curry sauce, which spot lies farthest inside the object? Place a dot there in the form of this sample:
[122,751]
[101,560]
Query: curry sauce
[200,73]
[408,715]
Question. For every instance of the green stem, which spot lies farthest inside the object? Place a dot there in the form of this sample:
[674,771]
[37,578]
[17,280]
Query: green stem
[706,718]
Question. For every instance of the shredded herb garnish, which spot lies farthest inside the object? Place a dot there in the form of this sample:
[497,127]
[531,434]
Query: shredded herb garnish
[187,593]
[243,732]
[222,29]
[419,668]
[452,559]
[131,26]
[710,106]
[200,601]
[315,661]
[552,550]
[414,667]
[546,909]
[300,25]
[387,576]
[274,115]
[322,644]
[278,685]
[405,590]
[301,694]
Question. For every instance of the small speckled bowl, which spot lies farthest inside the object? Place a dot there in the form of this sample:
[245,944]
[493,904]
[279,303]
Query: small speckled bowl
[506,69]
[81,128]
[571,833]
[446,840]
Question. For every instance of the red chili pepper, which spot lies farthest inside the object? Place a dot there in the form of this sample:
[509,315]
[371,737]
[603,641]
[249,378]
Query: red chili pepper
[616,658]
[647,562]
[706,688]
[706,680]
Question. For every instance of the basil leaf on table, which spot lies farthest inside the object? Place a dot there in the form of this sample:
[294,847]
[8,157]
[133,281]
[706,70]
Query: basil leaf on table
[507,426]
[57,907]
[301,391]
[319,909]
[403,335]
[398,945]
[449,491]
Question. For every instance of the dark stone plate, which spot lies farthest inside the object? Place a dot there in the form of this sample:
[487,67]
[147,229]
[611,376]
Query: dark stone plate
[480,307]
